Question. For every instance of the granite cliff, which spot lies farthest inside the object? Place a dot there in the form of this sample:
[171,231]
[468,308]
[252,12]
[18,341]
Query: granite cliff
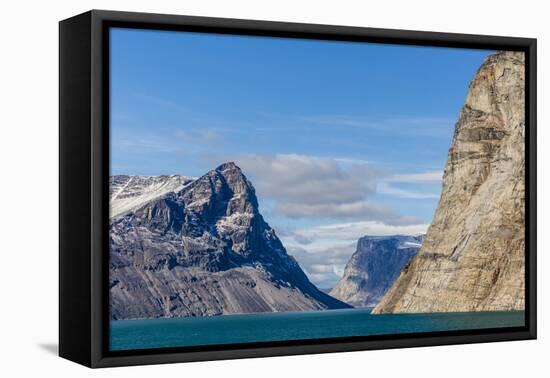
[472,258]
[200,247]
[374,267]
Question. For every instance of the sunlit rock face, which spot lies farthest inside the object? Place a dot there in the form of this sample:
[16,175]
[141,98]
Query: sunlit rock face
[473,256]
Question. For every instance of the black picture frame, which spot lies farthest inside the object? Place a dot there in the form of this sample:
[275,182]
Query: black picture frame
[84,186]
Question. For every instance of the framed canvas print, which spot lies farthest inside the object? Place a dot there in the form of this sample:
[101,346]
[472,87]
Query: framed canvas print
[234,188]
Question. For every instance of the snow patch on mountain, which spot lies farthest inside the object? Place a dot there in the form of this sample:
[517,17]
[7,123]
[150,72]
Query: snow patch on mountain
[128,193]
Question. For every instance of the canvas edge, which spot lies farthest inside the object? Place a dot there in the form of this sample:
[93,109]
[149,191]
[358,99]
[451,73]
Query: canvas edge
[95,330]
[75,209]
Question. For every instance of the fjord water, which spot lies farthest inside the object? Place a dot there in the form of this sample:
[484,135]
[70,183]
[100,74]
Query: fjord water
[230,329]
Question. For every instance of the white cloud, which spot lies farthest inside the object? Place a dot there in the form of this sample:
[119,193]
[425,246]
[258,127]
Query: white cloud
[385,188]
[423,177]
[351,210]
[323,267]
[352,160]
[307,179]
[330,247]
[301,239]
[317,187]
[346,232]
[393,185]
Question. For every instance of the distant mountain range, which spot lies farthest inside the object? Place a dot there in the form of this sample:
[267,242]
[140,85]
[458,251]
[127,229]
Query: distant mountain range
[374,267]
[191,247]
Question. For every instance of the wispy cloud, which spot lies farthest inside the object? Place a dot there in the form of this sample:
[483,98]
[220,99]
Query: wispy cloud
[351,231]
[164,103]
[349,210]
[399,185]
[167,142]
[396,125]
[140,142]
[422,177]
[199,136]
[352,160]
[387,189]
[175,114]
[426,126]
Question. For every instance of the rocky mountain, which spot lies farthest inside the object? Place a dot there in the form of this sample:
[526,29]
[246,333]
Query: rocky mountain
[201,248]
[374,267]
[473,255]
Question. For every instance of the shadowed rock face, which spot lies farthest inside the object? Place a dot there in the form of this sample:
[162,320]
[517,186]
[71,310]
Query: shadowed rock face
[473,255]
[204,250]
[374,267]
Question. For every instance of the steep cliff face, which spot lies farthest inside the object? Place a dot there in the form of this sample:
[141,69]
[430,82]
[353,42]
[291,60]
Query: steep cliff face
[473,255]
[374,267]
[204,250]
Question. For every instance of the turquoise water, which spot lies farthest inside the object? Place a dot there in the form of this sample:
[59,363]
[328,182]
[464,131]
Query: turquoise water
[230,329]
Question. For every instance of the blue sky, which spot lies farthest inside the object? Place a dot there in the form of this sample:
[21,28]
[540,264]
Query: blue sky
[340,139]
